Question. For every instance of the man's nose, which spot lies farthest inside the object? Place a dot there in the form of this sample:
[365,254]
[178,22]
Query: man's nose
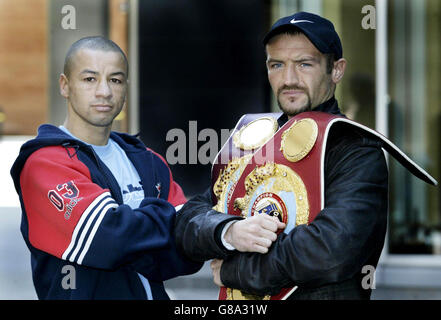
[103,89]
[290,76]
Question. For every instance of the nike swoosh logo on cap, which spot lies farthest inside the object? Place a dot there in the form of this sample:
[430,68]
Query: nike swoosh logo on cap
[297,21]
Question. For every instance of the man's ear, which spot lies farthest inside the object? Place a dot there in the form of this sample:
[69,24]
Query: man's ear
[64,85]
[339,70]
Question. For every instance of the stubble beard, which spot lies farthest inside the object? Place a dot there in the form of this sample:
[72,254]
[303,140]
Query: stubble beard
[291,113]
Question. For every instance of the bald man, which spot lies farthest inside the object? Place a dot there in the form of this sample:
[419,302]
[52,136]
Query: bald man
[98,206]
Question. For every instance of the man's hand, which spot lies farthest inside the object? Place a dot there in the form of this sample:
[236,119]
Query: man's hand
[216,265]
[254,234]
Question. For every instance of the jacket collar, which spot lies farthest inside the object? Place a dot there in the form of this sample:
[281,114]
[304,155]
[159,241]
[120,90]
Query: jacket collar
[50,135]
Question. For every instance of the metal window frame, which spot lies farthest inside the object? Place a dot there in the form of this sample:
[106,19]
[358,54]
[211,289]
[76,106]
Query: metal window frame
[134,67]
[397,270]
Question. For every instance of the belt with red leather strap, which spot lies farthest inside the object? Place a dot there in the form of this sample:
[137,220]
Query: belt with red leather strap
[280,172]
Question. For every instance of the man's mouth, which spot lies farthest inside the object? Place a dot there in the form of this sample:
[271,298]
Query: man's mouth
[102,107]
[292,92]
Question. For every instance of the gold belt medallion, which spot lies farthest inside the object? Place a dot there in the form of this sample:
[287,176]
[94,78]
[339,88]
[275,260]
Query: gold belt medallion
[255,134]
[298,140]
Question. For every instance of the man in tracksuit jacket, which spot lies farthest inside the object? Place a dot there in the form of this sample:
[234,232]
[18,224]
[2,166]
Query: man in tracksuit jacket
[89,236]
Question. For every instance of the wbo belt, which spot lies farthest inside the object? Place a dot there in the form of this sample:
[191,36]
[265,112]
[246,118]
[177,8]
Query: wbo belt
[262,169]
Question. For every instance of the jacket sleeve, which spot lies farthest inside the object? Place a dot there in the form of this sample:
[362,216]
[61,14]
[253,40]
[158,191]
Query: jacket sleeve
[199,227]
[340,240]
[74,219]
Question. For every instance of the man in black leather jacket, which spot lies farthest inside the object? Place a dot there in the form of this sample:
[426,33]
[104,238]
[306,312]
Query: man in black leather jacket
[324,258]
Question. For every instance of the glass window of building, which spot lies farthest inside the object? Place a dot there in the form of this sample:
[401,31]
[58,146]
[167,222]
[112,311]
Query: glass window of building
[414,124]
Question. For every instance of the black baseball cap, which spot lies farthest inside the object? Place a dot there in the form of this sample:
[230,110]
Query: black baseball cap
[320,31]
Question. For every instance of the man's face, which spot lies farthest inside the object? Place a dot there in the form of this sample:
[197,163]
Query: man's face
[297,73]
[96,88]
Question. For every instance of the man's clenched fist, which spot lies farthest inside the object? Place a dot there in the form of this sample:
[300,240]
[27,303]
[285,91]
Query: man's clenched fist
[254,234]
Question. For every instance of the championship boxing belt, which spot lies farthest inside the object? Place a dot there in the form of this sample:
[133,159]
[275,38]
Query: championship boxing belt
[262,169]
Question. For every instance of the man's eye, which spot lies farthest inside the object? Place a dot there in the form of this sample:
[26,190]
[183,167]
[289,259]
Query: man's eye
[305,65]
[89,79]
[114,80]
[275,65]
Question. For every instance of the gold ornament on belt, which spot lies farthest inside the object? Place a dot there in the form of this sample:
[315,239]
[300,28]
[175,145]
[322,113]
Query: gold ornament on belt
[236,294]
[226,182]
[263,189]
[273,178]
[255,134]
[299,139]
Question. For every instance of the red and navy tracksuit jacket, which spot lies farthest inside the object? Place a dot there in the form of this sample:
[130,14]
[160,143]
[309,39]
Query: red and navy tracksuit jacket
[73,214]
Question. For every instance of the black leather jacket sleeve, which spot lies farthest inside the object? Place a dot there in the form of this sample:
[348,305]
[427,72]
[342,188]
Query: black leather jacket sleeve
[348,234]
[198,229]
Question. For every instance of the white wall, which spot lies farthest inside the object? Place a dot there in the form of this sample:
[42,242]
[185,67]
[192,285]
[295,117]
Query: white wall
[15,266]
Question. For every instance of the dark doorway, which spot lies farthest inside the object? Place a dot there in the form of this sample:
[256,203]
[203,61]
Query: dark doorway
[199,61]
